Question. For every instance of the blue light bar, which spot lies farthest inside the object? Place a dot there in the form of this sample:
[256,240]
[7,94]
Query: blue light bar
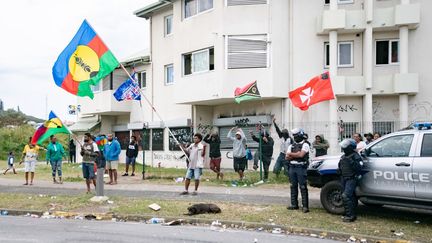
[423,125]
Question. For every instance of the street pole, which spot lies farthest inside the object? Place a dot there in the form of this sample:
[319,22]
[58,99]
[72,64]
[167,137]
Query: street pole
[260,151]
[143,165]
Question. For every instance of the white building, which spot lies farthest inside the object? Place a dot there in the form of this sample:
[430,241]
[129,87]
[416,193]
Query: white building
[201,50]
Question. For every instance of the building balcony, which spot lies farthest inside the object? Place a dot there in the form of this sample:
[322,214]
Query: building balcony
[381,85]
[104,103]
[354,21]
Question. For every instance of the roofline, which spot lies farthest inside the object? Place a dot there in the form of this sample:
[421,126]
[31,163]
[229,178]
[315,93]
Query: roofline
[148,10]
[136,60]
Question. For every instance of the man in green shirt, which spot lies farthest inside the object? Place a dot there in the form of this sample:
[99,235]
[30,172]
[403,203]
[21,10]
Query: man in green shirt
[54,155]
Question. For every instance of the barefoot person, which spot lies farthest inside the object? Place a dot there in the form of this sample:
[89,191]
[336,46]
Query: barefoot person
[89,152]
[29,157]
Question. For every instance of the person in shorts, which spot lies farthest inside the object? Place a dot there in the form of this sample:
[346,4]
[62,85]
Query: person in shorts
[29,157]
[10,163]
[215,154]
[239,150]
[131,155]
[111,152]
[89,152]
[196,152]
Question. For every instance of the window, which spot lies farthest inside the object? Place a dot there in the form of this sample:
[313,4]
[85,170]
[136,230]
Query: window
[347,129]
[142,79]
[193,7]
[426,150]
[387,52]
[182,134]
[384,127]
[339,1]
[199,61]
[397,146]
[169,74]
[97,88]
[168,25]
[245,2]
[123,139]
[158,139]
[143,138]
[247,51]
[345,54]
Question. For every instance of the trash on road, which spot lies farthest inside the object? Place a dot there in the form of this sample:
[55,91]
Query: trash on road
[174,222]
[179,180]
[154,207]
[352,239]
[4,213]
[416,222]
[276,231]
[34,216]
[399,234]
[217,226]
[258,183]
[110,202]
[157,220]
[53,197]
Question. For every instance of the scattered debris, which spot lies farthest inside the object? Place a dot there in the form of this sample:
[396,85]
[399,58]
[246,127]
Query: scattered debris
[4,213]
[255,240]
[207,179]
[363,240]
[34,216]
[179,180]
[157,220]
[276,231]
[416,222]
[114,219]
[352,239]
[53,197]
[399,234]
[174,222]
[260,229]
[42,195]
[154,207]
[217,226]
[79,217]
[314,235]
[258,183]
[110,202]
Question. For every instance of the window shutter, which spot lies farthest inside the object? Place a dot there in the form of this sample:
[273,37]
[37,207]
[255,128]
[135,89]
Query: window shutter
[247,51]
[245,2]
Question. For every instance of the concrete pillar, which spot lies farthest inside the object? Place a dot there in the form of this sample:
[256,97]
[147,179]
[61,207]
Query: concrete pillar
[403,68]
[367,68]
[333,116]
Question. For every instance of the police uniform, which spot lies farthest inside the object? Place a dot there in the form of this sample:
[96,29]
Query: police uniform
[349,168]
[297,175]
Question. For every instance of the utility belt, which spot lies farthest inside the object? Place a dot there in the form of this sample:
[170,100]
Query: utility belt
[297,164]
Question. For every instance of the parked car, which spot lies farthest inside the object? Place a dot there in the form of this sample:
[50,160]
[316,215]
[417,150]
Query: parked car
[397,170]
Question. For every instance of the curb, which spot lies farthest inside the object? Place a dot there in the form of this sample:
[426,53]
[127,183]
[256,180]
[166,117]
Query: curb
[244,225]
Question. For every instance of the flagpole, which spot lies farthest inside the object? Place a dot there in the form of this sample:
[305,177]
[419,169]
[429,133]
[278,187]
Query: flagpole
[155,111]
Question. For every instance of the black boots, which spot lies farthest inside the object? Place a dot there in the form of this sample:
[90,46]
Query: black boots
[305,198]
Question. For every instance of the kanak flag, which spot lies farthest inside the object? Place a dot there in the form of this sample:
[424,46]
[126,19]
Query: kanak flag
[316,90]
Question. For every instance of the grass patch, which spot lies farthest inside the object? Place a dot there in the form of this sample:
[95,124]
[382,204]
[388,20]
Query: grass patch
[73,173]
[381,222]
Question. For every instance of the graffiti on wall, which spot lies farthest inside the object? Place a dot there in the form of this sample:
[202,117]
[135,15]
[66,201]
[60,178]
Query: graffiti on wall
[166,156]
[242,122]
[204,128]
[420,111]
[347,108]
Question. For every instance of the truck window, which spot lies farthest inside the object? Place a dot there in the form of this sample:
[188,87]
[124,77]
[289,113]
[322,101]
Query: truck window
[396,146]
[426,150]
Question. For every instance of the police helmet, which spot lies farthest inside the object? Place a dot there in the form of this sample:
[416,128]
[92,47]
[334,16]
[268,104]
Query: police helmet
[348,143]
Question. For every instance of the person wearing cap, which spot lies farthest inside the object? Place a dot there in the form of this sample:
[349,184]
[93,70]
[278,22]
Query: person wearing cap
[266,150]
[298,156]
[239,150]
[349,169]
[285,142]
[369,138]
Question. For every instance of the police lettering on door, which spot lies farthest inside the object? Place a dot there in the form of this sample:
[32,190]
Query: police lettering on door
[402,176]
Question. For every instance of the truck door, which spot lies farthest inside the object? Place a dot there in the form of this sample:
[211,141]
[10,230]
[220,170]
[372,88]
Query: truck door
[422,169]
[389,164]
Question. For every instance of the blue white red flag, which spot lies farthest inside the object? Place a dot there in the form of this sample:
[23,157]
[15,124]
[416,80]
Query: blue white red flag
[129,90]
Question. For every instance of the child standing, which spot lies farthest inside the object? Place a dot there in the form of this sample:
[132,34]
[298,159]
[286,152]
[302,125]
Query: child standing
[10,163]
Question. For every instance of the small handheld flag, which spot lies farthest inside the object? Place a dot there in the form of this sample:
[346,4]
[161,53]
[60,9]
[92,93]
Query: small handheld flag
[248,92]
[316,90]
[50,127]
[84,62]
[128,90]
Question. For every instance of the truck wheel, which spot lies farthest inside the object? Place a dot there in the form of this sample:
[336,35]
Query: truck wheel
[331,197]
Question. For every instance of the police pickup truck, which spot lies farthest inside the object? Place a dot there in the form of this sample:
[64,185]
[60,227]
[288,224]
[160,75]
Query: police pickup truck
[397,170]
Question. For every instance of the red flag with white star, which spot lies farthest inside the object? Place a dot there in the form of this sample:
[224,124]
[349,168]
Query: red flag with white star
[316,90]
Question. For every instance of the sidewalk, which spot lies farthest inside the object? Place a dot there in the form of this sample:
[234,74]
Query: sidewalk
[147,189]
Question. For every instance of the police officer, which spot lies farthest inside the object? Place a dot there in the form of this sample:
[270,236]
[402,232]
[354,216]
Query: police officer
[298,157]
[349,168]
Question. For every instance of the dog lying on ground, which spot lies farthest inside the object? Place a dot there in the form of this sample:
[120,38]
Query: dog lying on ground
[201,208]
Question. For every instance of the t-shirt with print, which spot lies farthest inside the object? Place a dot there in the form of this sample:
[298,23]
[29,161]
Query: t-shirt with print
[31,154]
[88,147]
[195,157]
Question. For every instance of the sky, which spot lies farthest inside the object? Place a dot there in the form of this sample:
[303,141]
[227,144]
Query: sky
[33,33]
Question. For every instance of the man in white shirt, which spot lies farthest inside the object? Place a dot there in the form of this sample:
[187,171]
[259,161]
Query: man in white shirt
[196,153]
